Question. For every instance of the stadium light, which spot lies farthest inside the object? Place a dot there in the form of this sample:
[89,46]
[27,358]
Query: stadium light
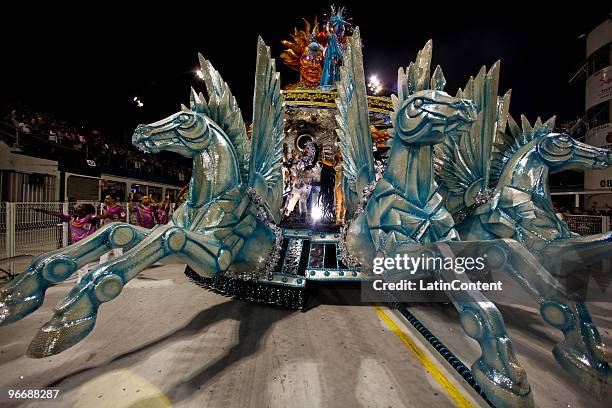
[138,102]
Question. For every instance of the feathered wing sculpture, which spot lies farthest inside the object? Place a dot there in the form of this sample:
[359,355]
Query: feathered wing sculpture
[265,175]
[223,109]
[463,165]
[354,125]
[416,77]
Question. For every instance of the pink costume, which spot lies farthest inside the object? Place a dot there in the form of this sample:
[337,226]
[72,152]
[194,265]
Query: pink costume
[146,216]
[162,215]
[81,227]
[116,212]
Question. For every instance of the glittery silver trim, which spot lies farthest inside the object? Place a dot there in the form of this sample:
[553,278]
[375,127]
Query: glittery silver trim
[251,290]
[483,197]
[262,215]
[209,164]
[348,259]
[461,215]
[3,311]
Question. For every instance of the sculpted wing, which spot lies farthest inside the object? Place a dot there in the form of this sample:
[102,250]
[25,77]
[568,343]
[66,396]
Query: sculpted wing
[265,173]
[223,109]
[463,165]
[354,124]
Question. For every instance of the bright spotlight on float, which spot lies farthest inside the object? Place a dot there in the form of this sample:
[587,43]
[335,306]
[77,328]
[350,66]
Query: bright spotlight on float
[374,84]
[317,213]
[199,74]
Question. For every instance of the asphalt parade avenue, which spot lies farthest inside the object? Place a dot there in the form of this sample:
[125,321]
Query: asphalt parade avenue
[166,342]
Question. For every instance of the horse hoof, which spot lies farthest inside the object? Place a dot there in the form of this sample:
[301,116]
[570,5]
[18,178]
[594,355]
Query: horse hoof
[592,374]
[14,305]
[58,335]
[502,390]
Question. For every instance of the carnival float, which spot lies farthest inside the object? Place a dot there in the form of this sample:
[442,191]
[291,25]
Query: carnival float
[328,178]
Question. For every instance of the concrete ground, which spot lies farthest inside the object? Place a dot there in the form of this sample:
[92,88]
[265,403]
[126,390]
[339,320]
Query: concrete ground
[533,342]
[166,342]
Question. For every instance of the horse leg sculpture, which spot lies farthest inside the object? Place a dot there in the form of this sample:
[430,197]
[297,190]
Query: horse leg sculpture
[576,252]
[497,371]
[75,315]
[26,293]
[582,353]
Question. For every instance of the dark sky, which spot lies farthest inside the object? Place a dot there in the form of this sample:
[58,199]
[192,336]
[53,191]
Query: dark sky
[87,67]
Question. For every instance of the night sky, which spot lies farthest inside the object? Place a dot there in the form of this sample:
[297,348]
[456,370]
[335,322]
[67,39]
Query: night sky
[87,67]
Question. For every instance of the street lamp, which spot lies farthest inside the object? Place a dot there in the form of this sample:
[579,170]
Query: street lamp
[138,102]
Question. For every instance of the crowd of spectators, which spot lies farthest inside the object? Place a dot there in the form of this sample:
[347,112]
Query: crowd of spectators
[601,209]
[92,144]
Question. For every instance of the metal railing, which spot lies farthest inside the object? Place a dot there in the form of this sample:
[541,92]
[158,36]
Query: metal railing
[25,233]
[588,224]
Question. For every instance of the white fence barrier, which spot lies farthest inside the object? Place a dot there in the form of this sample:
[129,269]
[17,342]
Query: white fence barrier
[25,233]
[588,224]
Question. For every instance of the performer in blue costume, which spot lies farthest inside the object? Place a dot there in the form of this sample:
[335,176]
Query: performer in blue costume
[333,52]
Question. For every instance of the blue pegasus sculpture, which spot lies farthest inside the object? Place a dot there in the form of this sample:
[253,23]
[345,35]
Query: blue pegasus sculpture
[405,213]
[226,225]
[404,208]
[500,190]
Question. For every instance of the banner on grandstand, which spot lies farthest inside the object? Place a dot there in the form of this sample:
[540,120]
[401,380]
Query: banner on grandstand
[600,136]
[599,87]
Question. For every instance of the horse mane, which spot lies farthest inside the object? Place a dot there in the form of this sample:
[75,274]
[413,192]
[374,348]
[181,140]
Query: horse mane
[223,109]
[507,145]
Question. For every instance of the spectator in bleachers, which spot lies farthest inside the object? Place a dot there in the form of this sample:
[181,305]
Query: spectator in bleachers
[93,143]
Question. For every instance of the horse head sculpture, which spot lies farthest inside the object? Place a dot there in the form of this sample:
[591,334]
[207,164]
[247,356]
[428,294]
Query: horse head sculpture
[430,116]
[193,134]
[404,207]
[562,152]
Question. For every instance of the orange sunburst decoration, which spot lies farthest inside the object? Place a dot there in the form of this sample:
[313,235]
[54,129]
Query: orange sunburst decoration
[304,53]
[297,45]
